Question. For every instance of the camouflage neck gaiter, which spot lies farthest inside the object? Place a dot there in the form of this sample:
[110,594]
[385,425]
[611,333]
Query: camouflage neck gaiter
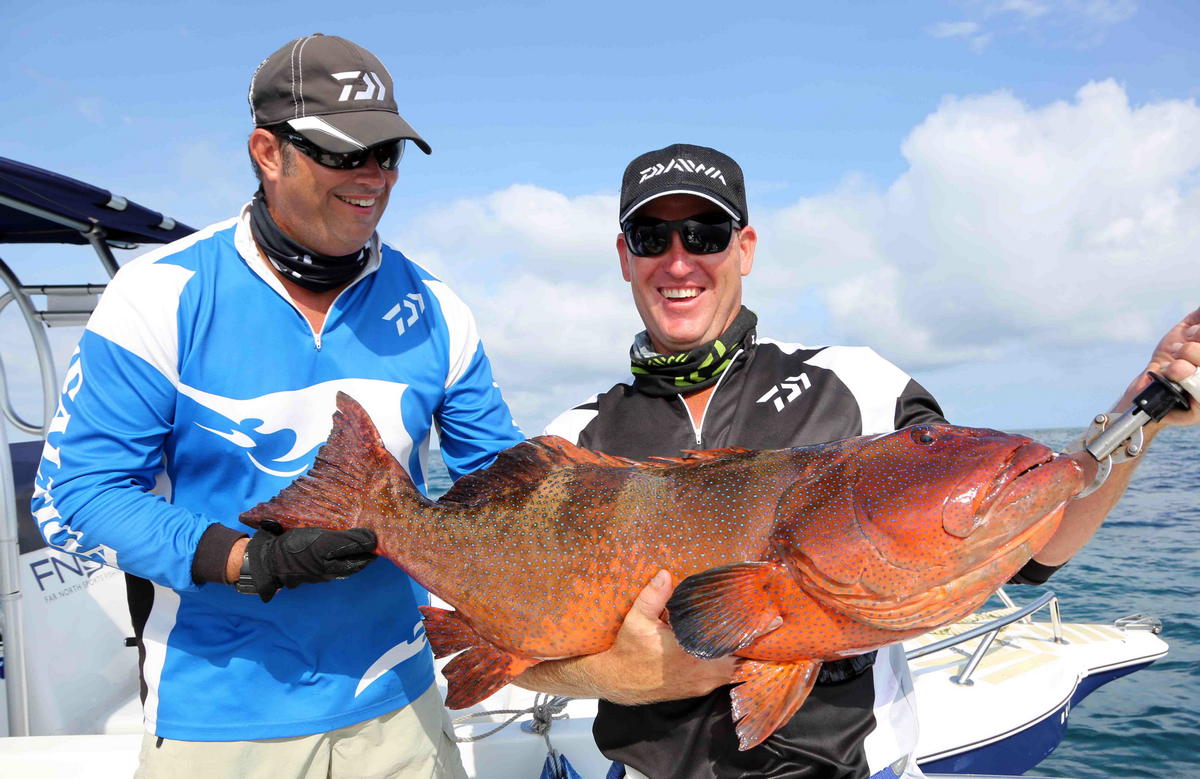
[663,375]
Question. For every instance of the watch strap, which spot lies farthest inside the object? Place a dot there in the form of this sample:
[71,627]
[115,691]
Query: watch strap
[245,582]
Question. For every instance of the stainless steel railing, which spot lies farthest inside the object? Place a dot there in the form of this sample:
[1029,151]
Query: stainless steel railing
[989,631]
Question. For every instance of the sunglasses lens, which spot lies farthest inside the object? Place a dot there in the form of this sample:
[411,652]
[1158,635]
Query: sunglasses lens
[340,161]
[389,154]
[648,239]
[702,238]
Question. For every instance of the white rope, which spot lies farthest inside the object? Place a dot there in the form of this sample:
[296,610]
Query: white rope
[544,713]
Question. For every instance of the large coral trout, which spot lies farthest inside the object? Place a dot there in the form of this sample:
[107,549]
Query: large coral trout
[856,544]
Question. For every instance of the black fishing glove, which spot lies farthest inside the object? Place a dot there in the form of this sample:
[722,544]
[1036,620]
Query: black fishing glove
[288,558]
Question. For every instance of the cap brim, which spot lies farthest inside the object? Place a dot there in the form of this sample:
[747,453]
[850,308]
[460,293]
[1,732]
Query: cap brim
[676,190]
[354,130]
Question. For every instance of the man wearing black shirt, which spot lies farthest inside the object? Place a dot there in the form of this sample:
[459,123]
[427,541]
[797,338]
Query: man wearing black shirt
[703,378]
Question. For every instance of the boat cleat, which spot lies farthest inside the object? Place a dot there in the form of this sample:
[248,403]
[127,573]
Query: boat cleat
[1139,621]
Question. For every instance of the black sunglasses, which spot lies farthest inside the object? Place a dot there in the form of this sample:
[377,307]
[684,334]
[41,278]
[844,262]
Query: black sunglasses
[701,234]
[389,154]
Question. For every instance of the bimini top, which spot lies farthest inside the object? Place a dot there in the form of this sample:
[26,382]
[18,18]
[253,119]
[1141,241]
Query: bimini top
[37,206]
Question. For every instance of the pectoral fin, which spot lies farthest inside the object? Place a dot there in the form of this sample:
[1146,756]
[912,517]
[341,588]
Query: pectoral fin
[721,610]
[480,670]
[767,695]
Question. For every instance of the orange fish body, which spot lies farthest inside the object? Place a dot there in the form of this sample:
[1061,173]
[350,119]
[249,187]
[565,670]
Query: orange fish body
[856,544]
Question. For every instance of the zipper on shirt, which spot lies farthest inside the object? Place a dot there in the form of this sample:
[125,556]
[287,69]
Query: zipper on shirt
[316,334]
[698,430]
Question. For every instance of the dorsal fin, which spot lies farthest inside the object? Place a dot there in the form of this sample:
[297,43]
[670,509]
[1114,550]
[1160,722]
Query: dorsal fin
[692,456]
[521,468]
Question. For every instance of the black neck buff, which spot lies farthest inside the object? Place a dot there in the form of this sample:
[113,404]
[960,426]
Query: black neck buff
[663,375]
[311,270]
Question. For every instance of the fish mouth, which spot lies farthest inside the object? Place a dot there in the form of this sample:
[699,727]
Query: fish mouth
[964,516]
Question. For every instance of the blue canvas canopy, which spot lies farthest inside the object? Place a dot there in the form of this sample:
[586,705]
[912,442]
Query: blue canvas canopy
[37,206]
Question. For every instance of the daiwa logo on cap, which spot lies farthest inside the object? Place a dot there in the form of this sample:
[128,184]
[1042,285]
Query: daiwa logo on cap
[369,80]
[682,164]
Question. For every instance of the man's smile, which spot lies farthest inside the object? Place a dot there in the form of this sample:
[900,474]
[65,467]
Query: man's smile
[361,202]
[676,293]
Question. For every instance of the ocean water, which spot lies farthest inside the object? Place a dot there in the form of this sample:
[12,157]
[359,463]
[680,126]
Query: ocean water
[1145,558]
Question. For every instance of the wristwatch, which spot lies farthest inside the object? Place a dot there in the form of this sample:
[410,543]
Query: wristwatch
[245,582]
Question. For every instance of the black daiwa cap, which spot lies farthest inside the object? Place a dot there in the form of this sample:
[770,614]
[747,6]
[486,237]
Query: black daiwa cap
[688,170]
[335,93]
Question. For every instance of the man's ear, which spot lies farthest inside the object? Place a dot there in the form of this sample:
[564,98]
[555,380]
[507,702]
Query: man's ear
[748,240]
[265,148]
[623,253]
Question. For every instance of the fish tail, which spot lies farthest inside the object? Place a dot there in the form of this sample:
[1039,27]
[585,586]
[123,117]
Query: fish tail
[352,471]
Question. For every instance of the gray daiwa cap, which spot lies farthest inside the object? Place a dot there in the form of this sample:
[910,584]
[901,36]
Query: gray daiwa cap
[335,93]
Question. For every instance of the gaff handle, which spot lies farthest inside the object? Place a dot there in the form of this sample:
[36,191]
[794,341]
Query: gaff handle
[1164,395]
[1111,440]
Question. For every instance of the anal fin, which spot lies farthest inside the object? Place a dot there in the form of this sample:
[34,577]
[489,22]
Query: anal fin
[723,609]
[767,695]
[447,632]
[480,671]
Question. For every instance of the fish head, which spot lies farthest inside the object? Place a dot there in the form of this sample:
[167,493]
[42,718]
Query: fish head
[946,499]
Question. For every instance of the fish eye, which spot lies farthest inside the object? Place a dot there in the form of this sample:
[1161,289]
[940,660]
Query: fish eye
[922,437]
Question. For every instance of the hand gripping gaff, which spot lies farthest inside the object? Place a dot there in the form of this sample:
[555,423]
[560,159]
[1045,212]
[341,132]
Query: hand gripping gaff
[1111,439]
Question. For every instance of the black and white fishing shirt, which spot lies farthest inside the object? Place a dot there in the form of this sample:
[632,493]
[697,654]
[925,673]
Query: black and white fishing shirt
[860,720]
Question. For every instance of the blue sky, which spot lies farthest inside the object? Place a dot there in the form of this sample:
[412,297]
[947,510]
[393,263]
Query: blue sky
[983,191]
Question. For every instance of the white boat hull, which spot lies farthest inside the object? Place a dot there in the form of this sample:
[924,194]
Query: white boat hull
[1019,702]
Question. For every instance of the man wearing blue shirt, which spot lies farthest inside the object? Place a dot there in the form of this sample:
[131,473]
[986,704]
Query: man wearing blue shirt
[206,381]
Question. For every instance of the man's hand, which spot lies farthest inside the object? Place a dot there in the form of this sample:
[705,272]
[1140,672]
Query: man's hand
[1176,357]
[645,665]
[306,554]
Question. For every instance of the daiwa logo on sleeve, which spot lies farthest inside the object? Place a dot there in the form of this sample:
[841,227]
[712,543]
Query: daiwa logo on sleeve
[679,163]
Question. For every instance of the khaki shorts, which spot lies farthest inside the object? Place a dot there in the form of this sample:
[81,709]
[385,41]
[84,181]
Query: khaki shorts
[408,742]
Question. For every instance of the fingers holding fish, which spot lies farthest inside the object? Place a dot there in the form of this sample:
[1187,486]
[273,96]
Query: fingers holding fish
[646,663]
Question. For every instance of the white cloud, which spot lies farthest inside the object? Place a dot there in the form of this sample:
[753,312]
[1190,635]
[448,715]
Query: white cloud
[1027,9]
[1075,23]
[1013,228]
[953,29]
[1015,232]
[540,271]
[967,31]
[91,108]
[1104,11]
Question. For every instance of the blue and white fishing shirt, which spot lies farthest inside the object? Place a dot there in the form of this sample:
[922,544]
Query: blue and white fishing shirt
[197,372]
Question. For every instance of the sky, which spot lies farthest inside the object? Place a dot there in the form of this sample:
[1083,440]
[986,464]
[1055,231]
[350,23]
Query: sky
[999,196]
